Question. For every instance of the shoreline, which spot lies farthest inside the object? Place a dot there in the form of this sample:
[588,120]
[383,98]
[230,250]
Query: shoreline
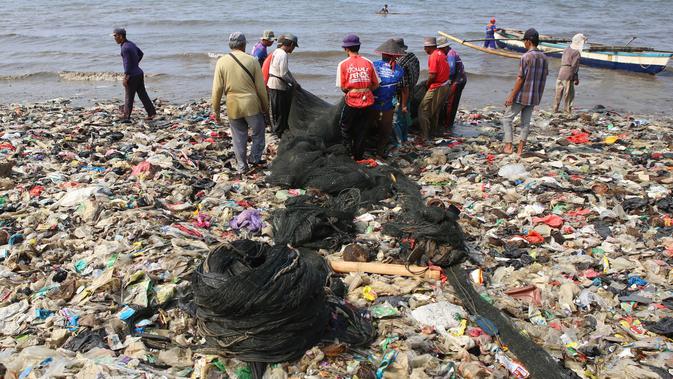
[104,215]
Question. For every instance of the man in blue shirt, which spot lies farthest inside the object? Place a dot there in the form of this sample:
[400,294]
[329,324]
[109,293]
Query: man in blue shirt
[134,77]
[259,51]
[489,42]
[391,75]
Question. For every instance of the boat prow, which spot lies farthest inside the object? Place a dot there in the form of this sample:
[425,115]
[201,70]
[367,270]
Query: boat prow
[635,59]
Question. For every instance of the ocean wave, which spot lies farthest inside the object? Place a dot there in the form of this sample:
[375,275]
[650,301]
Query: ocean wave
[192,22]
[184,56]
[72,76]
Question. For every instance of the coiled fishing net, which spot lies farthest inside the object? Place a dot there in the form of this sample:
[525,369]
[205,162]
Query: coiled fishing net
[262,303]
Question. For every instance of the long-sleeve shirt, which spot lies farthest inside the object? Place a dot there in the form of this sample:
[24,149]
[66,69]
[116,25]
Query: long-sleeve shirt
[131,57]
[570,65]
[245,97]
[279,73]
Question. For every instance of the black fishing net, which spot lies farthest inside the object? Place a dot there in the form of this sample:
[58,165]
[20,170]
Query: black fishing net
[311,156]
[262,303]
[316,222]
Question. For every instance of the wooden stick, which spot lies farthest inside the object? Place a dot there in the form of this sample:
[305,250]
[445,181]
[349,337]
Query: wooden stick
[482,49]
[384,268]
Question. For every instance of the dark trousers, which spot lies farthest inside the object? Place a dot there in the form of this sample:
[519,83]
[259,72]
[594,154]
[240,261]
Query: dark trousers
[354,123]
[281,101]
[452,102]
[384,126]
[136,84]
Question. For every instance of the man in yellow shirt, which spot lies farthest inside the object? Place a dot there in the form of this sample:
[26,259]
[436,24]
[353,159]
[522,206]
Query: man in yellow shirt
[239,77]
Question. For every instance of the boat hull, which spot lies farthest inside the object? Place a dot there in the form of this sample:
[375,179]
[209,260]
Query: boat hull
[648,62]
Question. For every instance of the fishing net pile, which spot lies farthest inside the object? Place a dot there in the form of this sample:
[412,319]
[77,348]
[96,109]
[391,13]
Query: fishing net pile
[262,303]
[311,156]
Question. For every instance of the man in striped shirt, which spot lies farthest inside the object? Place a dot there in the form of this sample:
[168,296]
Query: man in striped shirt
[527,90]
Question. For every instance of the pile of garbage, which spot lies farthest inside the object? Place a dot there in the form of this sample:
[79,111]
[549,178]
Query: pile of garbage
[104,224]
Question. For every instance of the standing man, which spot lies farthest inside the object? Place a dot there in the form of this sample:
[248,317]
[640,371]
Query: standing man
[239,77]
[281,83]
[259,50]
[527,90]
[412,68]
[490,35]
[391,75]
[457,81]
[568,75]
[134,77]
[438,77]
[357,78]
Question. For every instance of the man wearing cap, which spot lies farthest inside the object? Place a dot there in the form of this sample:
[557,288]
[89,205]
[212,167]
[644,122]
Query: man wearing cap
[357,78]
[568,75]
[391,77]
[527,90]
[259,50]
[457,81]
[281,83]
[239,76]
[411,66]
[437,84]
[489,41]
[134,77]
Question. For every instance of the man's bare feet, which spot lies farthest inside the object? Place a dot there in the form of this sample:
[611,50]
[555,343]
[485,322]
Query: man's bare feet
[507,149]
[519,149]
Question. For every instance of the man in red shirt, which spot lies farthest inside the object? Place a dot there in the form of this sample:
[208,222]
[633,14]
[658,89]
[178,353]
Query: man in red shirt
[357,78]
[438,78]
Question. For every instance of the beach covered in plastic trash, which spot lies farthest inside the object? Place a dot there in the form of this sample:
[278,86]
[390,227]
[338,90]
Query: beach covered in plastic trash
[103,224]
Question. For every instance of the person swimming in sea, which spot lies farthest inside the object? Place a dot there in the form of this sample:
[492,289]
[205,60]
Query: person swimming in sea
[384,10]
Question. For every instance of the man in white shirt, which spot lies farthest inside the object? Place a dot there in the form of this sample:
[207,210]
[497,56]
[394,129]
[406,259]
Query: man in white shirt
[281,83]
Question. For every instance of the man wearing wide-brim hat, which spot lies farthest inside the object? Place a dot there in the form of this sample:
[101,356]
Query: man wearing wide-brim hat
[391,77]
[438,78]
[259,50]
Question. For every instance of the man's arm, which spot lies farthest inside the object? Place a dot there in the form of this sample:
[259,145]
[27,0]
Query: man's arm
[431,78]
[283,70]
[405,96]
[375,78]
[125,59]
[218,88]
[452,66]
[140,54]
[576,68]
[515,91]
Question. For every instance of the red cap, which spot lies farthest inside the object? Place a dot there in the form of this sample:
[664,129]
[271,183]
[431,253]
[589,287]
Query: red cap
[493,20]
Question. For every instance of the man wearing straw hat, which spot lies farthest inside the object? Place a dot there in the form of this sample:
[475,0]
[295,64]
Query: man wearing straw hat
[392,77]
[438,78]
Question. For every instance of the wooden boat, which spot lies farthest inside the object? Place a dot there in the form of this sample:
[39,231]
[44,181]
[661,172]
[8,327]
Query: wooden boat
[630,58]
